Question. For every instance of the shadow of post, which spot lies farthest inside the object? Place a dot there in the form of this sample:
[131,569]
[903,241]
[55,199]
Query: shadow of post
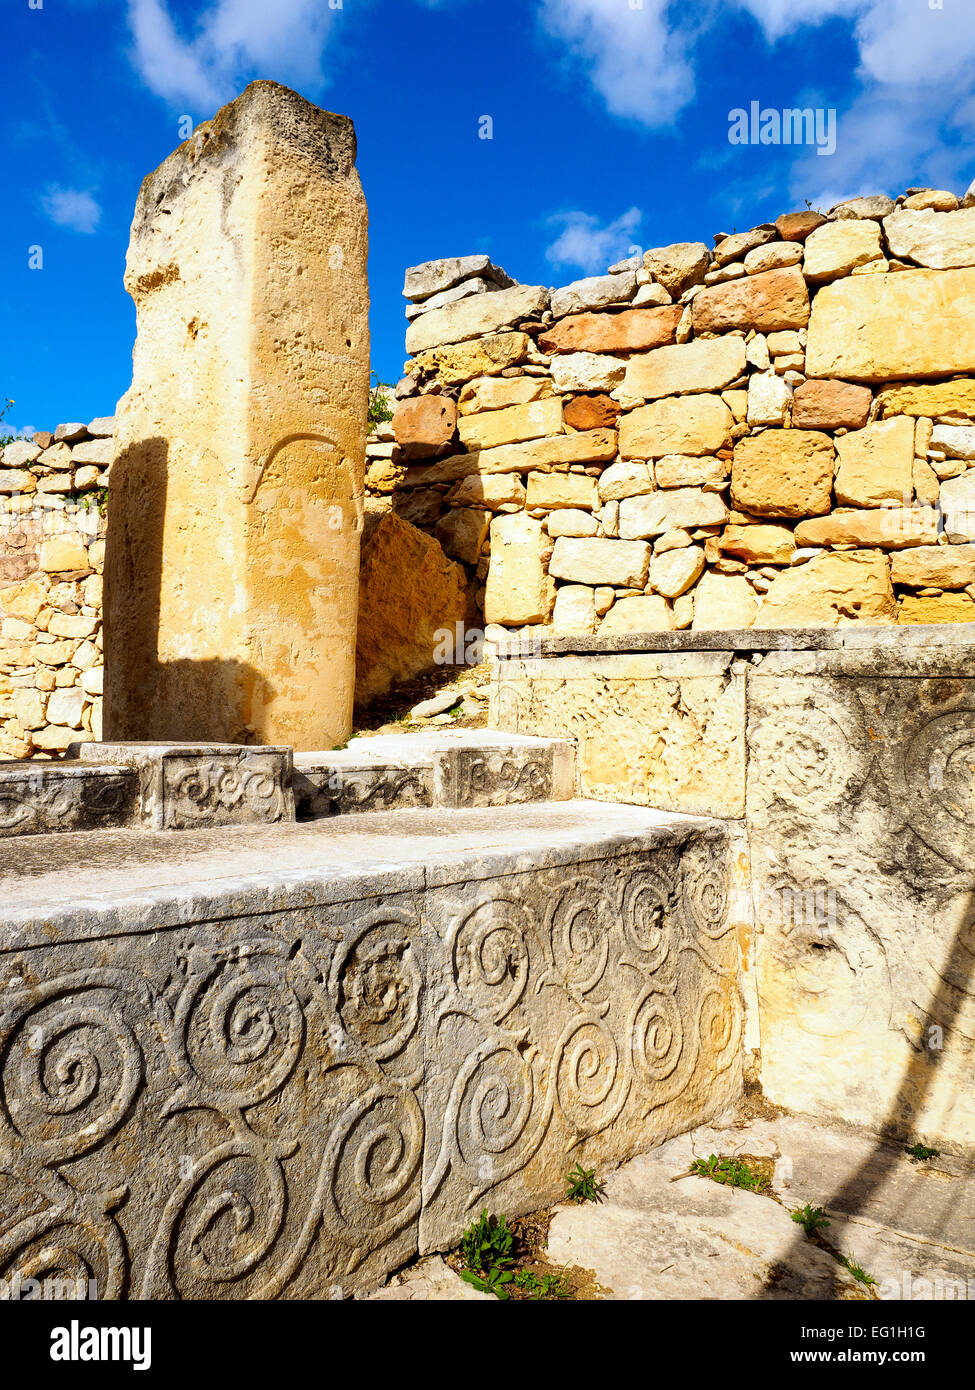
[149,699]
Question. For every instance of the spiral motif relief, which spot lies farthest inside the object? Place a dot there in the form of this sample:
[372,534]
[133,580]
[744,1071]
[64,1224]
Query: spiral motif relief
[587,1075]
[491,957]
[939,786]
[814,756]
[72,1251]
[378,986]
[656,1037]
[71,1069]
[373,1164]
[705,875]
[647,901]
[579,924]
[240,1026]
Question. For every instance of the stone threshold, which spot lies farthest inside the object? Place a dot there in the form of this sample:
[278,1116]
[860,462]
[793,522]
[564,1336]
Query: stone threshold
[853,637]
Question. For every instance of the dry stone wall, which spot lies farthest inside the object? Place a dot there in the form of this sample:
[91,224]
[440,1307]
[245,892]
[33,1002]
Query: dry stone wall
[53,491]
[778,431]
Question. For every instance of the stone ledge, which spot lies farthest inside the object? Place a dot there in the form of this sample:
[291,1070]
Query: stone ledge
[855,635]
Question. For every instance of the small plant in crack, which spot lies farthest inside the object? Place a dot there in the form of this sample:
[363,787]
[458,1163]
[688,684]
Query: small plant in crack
[811,1219]
[859,1273]
[486,1251]
[731,1172]
[549,1286]
[584,1186]
[922,1153]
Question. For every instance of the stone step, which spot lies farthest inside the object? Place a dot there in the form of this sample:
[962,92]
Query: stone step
[372,1026]
[183,786]
[452,768]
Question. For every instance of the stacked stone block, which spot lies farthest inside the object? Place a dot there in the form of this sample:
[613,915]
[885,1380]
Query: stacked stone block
[53,496]
[778,431]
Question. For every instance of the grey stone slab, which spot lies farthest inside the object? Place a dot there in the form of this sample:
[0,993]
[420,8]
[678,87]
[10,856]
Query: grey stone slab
[852,636]
[860,805]
[571,1013]
[190,786]
[349,783]
[38,798]
[252,1089]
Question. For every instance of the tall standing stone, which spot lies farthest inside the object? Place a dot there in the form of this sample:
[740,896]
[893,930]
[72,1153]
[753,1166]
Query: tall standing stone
[236,508]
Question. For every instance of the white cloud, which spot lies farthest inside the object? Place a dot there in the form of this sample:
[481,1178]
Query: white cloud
[781,17]
[71,207]
[637,63]
[585,243]
[234,40]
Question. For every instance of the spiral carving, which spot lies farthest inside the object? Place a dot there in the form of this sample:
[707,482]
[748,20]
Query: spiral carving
[67,1251]
[579,924]
[378,987]
[587,1074]
[647,901]
[705,874]
[220,1224]
[495,1094]
[373,1162]
[656,1037]
[71,1070]
[491,956]
[240,1026]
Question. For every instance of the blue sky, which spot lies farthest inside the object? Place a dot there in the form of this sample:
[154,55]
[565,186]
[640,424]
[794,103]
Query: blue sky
[610,131]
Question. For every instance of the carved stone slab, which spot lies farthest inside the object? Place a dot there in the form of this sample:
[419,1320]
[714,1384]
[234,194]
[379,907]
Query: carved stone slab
[186,786]
[861,821]
[39,798]
[278,1061]
[486,767]
[347,782]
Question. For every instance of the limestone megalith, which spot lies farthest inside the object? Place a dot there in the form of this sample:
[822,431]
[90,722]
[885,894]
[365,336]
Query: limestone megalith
[236,504]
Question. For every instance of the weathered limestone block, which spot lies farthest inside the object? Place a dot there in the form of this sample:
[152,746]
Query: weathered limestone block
[830,405]
[632,330]
[861,831]
[837,248]
[654,729]
[909,324]
[797,226]
[625,479]
[674,571]
[475,317]
[433,277]
[491,490]
[678,266]
[461,362]
[759,545]
[44,798]
[241,1002]
[623,564]
[940,567]
[593,412]
[550,490]
[940,240]
[783,473]
[676,470]
[708,365]
[463,531]
[945,608]
[408,592]
[723,602]
[642,613]
[571,521]
[681,508]
[684,425]
[594,292]
[954,441]
[891,528]
[425,425]
[232,568]
[518,588]
[875,464]
[575,609]
[928,402]
[770,302]
[830,590]
[188,786]
[586,371]
[593,446]
[497,393]
[533,420]
[769,398]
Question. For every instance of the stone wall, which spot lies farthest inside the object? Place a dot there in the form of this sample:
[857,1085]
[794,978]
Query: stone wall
[778,431]
[842,762]
[52,552]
